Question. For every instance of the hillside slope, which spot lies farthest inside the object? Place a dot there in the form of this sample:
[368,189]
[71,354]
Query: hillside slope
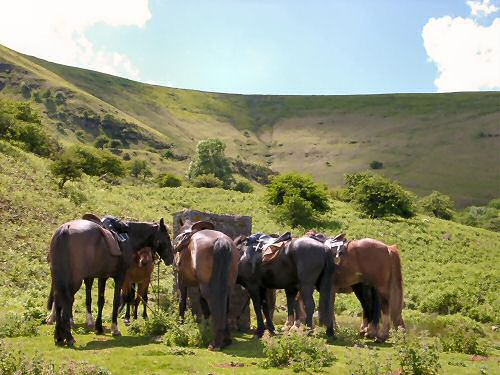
[447,142]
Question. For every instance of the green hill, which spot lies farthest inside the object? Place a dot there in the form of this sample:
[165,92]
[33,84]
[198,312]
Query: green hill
[445,142]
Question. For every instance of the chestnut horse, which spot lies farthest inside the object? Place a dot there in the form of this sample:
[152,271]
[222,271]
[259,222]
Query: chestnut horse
[368,262]
[80,250]
[207,259]
[137,281]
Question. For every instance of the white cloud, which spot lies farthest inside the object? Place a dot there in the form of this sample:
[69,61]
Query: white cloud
[480,8]
[467,54]
[55,30]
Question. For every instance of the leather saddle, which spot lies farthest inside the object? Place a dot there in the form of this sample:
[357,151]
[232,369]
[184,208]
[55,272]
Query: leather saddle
[182,240]
[337,244]
[266,247]
[113,230]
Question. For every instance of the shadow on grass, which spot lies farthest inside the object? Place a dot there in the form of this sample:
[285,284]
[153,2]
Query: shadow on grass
[245,346]
[115,342]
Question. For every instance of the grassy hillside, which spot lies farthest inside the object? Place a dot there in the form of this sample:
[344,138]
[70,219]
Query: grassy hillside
[445,142]
[457,275]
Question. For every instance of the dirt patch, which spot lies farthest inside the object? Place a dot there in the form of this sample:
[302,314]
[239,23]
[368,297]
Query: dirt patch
[230,365]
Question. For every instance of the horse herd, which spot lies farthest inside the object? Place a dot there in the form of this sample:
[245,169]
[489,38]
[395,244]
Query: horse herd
[83,249]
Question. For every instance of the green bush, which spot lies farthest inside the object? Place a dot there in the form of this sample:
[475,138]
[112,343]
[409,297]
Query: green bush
[487,217]
[243,187]
[169,180]
[207,181]
[375,164]
[378,196]
[296,350]
[157,325]
[15,325]
[437,204]
[416,357]
[101,141]
[296,198]
[189,333]
[460,339]
[211,160]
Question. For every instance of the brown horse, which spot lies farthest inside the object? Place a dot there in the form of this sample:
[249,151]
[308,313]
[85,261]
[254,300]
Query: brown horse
[207,259]
[137,281]
[373,263]
[80,250]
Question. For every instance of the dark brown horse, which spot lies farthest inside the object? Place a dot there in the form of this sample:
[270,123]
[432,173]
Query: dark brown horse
[80,250]
[303,265]
[207,259]
[369,262]
[136,284]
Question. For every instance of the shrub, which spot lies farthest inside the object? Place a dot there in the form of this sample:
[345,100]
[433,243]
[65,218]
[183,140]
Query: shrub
[298,351]
[189,334]
[378,196]
[460,339]
[15,325]
[243,187]
[169,180]
[140,168]
[101,141]
[156,325]
[115,143]
[375,164]
[438,204]
[297,198]
[210,159]
[207,181]
[415,357]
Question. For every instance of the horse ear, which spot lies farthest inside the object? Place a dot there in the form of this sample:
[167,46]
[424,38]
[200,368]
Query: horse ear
[240,239]
[162,225]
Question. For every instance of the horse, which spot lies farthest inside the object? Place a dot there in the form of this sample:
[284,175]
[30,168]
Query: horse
[372,270]
[303,265]
[207,259]
[80,250]
[136,283]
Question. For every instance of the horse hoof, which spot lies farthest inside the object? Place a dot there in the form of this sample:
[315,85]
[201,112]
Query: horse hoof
[71,342]
[330,333]
[126,322]
[214,348]
[59,342]
[117,333]
[99,331]
[380,340]
[90,327]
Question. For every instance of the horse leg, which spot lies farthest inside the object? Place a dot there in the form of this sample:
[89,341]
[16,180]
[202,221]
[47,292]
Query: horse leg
[116,304]
[306,292]
[66,317]
[101,286]
[291,294]
[145,300]
[205,310]
[386,319]
[182,301]
[255,296]
[58,331]
[137,299]
[51,318]
[266,310]
[88,303]
[365,300]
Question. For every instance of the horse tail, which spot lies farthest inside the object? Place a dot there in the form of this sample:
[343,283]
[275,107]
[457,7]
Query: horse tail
[326,293]
[60,268]
[219,282]
[396,296]
[50,299]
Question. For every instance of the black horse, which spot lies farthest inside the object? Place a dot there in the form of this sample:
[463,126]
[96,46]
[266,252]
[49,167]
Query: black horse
[79,250]
[303,265]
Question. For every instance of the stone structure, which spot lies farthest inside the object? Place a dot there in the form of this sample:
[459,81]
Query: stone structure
[233,226]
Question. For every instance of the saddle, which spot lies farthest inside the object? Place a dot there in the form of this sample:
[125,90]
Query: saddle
[337,244]
[266,247]
[114,232]
[182,240]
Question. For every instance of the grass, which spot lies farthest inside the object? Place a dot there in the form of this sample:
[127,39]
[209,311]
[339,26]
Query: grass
[426,141]
[464,272]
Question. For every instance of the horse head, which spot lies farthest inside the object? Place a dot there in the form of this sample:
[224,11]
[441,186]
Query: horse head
[162,244]
[144,257]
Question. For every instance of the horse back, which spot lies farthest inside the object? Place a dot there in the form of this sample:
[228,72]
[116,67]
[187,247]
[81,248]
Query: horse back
[196,261]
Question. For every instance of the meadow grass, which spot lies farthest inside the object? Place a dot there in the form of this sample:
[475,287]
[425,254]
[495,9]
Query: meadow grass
[460,274]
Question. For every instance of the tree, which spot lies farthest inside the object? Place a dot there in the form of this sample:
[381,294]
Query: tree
[66,168]
[439,205]
[210,159]
[101,141]
[296,198]
[140,167]
[375,164]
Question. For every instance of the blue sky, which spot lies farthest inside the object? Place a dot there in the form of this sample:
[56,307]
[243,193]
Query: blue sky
[289,47]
